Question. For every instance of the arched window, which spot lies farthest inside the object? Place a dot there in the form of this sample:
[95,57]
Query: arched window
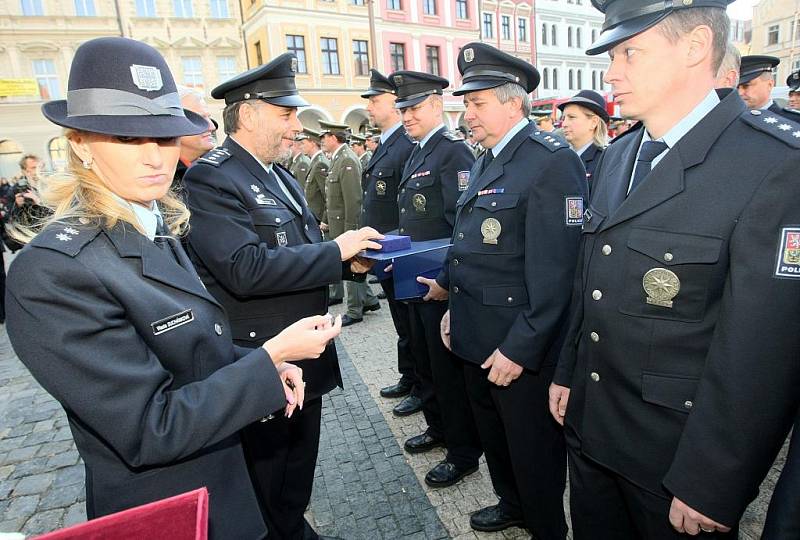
[57,150]
[554,35]
[544,34]
[569,36]
[594,80]
[578,38]
[570,82]
[580,80]
[600,82]
[555,79]
[546,78]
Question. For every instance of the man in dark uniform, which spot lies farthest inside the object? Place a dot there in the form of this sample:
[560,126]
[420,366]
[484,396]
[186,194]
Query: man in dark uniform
[258,249]
[509,273]
[678,378]
[300,164]
[756,83]
[793,82]
[435,175]
[193,146]
[317,174]
[380,181]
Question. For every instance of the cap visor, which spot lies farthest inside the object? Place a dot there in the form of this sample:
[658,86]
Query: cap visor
[746,78]
[474,86]
[292,100]
[624,30]
[157,126]
[372,92]
[402,103]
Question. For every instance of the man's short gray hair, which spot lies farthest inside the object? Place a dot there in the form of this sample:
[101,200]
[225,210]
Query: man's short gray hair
[682,21]
[511,90]
[731,62]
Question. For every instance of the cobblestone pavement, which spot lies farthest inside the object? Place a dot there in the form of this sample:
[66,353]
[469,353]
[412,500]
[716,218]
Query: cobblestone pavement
[365,487]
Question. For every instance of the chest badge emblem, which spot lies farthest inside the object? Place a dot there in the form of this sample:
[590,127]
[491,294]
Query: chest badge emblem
[491,229]
[420,202]
[661,286]
[380,187]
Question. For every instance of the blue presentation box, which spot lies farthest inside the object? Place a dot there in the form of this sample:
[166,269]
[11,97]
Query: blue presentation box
[421,259]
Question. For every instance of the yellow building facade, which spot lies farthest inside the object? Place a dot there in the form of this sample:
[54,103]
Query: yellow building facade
[776,33]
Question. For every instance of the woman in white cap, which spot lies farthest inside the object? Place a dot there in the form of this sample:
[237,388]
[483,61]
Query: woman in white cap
[108,314]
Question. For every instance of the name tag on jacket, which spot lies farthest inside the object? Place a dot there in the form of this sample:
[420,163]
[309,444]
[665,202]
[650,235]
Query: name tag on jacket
[173,321]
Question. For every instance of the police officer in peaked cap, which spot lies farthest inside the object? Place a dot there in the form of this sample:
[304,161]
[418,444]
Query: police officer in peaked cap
[259,251]
[509,275]
[435,175]
[793,82]
[677,382]
[756,83]
[380,181]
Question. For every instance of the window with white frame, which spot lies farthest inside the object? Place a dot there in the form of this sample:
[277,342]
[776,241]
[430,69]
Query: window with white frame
[488,25]
[85,8]
[219,9]
[462,11]
[192,71]
[226,67]
[505,24]
[522,30]
[44,70]
[32,8]
[183,9]
[145,8]
[330,56]
[297,45]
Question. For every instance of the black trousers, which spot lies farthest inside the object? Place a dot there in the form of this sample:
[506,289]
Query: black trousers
[606,506]
[406,365]
[443,391]
[783,516]
[281,455]
[524,446]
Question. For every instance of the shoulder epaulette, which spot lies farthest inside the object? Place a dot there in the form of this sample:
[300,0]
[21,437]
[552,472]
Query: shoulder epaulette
[548,140]
[633,129]
[451,135]
[68,238]
[215,157]
[779,127]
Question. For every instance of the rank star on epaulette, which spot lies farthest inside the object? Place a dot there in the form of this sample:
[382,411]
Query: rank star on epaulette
[63,237]
[255,188]
[70,230]
[771,120]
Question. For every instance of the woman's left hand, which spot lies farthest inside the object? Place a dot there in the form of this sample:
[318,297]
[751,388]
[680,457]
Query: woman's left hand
[292,379]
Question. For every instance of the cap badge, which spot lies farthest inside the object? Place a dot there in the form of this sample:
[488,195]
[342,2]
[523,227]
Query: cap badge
[147,78]
[398,79]
[469,55]
[687,2]
[294,65]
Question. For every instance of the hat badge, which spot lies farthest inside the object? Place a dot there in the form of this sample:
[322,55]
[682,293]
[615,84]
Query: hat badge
[469,55]
[294,65]
[687,2]
[398,79]
[147,78]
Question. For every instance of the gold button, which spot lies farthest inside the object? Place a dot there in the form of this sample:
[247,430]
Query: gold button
[606,250]
[595,376]
[668,256]
[595,337]
[252,334]
[597,295]
[688,404]
[218,329]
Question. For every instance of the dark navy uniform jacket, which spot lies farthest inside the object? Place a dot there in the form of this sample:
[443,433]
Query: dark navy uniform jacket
[140,356]
[264,261]
[433,179]
[381,179]
[590,158]
[511,290]
[689,387]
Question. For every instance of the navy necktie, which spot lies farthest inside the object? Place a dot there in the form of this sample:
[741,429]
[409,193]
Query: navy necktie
[649,151]
[488,157]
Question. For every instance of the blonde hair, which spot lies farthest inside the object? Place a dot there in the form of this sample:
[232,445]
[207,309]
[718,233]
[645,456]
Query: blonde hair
[79,194]
[600,134]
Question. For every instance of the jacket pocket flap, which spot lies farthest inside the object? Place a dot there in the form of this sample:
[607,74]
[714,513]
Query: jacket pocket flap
[675,248]
[421,181]
[497,201]
[383,172]
[505,295]
[671,391]
[272,217]
[257,329]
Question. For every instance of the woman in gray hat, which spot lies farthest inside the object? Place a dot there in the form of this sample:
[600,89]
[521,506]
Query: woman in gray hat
[585,123]
[110,317]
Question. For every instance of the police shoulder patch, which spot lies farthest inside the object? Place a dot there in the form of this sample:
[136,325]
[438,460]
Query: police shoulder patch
[548,140]
[215,157]
[68,238]
[787,263]
[779,127]
[573,211]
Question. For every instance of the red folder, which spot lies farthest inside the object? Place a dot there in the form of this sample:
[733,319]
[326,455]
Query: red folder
[182,517]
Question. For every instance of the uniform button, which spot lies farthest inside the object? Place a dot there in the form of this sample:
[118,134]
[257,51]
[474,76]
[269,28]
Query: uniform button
[402,210]
[277,220]
[403,190]
[755,112]
[252,334]
[267,418]
[597,295]
[455,262]
[456,289]
[668,256]
[595,337]
[365,194]
[218,329]
[380,173]
[470,210]
[461,236]
[417,185]
[510,299]
[606,250]
[688,404]
[494,203]
[402,229]
[595,376]
[306,226]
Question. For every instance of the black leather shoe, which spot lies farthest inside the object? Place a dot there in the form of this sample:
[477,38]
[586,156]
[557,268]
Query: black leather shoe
[446,474]
[347,320]
[493,519]
[422,443]
[334,301]
[407,407]
[381,296]
[400,389]
[376,307]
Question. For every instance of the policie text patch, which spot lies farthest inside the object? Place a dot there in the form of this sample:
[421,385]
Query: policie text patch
[573,211]
[173,321]
[788,265]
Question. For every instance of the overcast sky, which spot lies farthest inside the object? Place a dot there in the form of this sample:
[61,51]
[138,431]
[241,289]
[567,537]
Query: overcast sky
[742,9]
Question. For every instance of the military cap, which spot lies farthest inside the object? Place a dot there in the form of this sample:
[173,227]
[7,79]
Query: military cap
[272,82]
[312,134]
[414,86]
[133,96]
[627,18]
[754,65]
[357,139]
[301,136]
[483,66]
[793,81]
[588,99]
[378,84]
[342,130]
